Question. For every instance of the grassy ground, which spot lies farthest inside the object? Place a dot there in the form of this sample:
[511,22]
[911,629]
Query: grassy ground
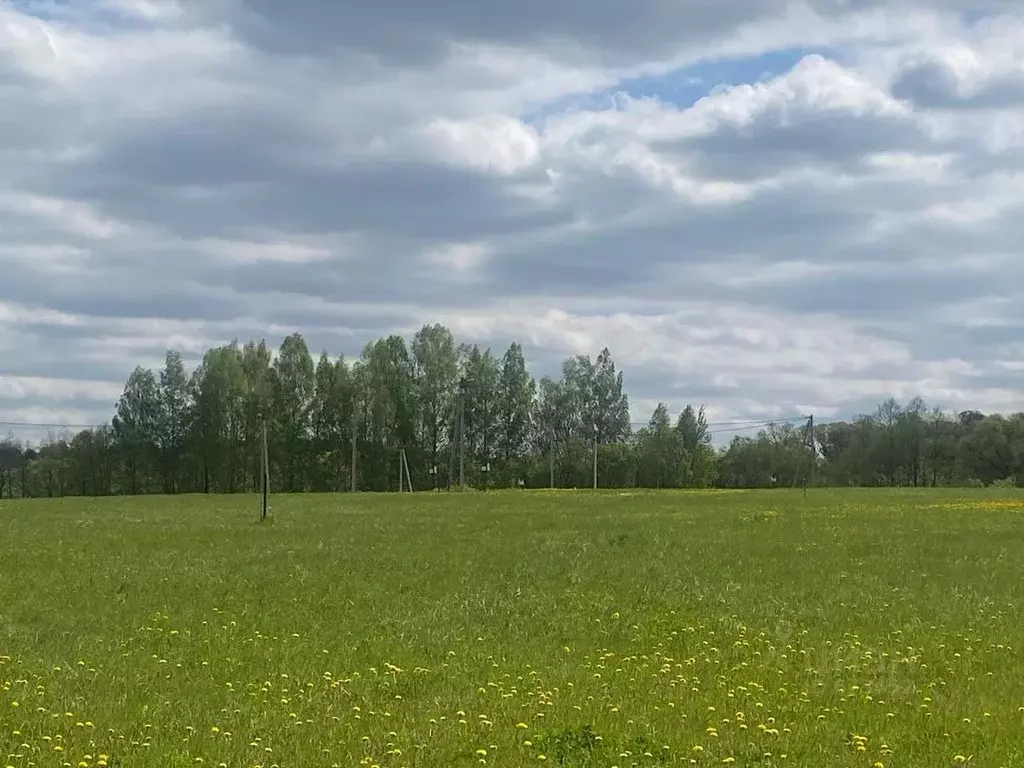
[854,628]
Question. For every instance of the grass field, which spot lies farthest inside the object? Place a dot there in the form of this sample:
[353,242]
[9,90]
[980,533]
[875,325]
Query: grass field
[853,628]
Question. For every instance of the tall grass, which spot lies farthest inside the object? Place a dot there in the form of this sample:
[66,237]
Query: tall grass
[851,628]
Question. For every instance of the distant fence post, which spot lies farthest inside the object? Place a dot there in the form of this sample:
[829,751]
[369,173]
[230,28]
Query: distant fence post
[408,477]
[814,452]
[551,458]
[264,475]
[354,448]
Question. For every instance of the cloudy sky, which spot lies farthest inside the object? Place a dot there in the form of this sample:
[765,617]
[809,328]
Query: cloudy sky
[773,208]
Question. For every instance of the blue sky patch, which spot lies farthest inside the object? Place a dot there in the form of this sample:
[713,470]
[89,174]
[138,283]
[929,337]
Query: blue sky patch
[683,87]
[86,14]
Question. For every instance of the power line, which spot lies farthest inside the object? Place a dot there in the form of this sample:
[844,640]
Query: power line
[740,425]
[727,430]
[43,425]
[715,427]
[755,422]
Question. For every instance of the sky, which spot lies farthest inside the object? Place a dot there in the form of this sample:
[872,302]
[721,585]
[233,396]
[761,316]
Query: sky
[770,208]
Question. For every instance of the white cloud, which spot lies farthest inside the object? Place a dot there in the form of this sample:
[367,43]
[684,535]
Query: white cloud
[43,50]
[493,143]
[22,387]
[460,257]
[12,315]
[815,84]
[843,229]
[74,217]
[963,66]
[250,251]
[149,10]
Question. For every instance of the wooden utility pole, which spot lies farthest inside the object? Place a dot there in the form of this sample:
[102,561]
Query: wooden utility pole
[354,449]
[451,456]
[551,458]
[265,476]
[462,435]
[935,450]
[401,471]
[408,477]
[595,463]
[814,450]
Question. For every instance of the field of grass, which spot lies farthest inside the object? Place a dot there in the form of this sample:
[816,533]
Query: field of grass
[850,628]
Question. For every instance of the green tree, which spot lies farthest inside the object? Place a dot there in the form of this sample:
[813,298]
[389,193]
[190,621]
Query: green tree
[11,457]
[482,374]
[436,371]
[517,391]
[173,420]
[331,408]
[910,441]
[888,457]
[135,424]
[218,391]
[699,459]
[610,404]
[173,432]
[662,455]
[552,425]
[993,449]
[294,387]
[258,383]
[390,409]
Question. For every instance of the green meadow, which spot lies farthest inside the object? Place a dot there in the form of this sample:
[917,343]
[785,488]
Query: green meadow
[857,628]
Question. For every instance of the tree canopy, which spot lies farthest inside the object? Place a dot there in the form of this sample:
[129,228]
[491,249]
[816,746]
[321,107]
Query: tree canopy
[175,431]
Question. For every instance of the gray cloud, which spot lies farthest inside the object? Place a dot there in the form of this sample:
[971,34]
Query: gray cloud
[612,31]
[835,142]
[978,71]
[409,33]
[431,201]
[934,85]
[824,239]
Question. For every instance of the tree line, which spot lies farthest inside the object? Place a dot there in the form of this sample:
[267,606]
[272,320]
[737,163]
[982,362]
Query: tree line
[464,416]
